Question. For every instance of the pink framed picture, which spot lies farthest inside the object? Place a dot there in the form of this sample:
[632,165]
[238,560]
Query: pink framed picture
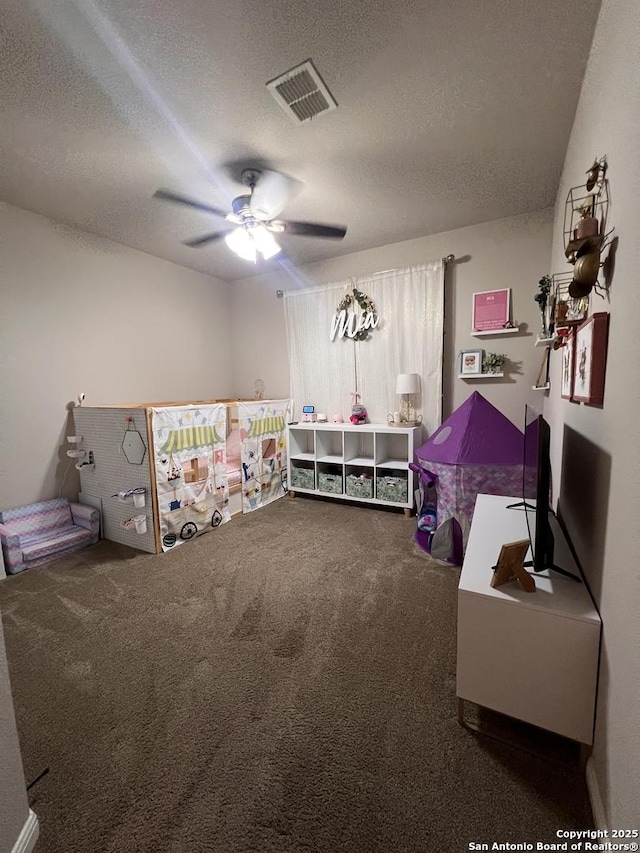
[491,310]
[589,359]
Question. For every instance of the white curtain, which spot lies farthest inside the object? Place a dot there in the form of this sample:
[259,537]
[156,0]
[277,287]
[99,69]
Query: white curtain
[408,339]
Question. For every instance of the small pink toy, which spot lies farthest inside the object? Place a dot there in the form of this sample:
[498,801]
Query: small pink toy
[358,413]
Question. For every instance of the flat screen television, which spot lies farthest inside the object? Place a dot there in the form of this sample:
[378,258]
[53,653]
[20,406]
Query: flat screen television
[536,492]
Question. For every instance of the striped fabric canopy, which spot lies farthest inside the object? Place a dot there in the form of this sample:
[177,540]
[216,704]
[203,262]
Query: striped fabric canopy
[190,438]
[266,426]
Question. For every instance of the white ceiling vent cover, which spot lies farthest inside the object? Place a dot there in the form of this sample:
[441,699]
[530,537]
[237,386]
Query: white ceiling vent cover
[302,93]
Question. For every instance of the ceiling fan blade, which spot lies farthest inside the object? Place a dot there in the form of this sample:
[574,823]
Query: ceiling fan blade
[308,229]
[168,195]
[196,242]
[272,192]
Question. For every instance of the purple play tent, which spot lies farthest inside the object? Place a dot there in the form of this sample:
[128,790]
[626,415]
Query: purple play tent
[477,450]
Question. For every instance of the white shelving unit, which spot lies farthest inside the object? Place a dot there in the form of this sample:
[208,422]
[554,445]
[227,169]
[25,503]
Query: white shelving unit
[472,376]
[345,461]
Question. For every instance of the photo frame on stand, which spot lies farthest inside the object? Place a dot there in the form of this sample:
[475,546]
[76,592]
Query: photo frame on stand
[471,362]
[566,382]
[589,359]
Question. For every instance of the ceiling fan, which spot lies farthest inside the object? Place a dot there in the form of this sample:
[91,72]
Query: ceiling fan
[252,220]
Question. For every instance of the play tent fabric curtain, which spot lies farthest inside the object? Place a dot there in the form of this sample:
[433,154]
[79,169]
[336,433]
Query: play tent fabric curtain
[263,436]
[190,470]
[408,337]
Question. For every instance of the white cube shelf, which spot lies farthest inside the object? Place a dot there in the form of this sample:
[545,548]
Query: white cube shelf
[378,452]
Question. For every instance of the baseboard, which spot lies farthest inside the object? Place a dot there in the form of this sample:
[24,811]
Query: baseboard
[599,817]
[28,836]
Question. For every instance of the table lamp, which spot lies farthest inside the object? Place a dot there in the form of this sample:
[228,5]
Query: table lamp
[408,385]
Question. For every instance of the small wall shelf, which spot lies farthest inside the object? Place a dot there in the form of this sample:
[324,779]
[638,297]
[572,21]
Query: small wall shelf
[77,454]
[544,342]
[541,387]
[473,376]
[513,331]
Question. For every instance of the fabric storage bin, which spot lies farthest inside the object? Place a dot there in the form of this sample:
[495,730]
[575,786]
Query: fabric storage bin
[330,482]
[392,488]
[359,485]
[302,478]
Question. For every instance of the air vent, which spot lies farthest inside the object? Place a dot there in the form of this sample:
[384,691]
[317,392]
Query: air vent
[301,93]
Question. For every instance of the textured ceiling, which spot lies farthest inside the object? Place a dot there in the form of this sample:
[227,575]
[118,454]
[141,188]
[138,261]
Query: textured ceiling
[449,114]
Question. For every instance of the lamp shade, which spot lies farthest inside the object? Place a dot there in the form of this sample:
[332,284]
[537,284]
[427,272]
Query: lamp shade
[408,383]
[241,243]
[265,242]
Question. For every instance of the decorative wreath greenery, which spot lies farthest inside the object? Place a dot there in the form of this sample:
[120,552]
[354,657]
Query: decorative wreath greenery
[366,304]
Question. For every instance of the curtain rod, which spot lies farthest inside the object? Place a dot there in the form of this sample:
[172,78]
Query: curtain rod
[448,259]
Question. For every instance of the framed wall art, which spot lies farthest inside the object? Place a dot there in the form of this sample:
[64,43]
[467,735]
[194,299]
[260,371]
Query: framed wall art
[471,362]
[566,384]
[491,310]
[589,359]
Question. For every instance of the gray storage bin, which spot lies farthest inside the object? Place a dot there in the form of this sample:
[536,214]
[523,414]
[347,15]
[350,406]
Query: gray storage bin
[330,482]
[302,478]
[359,485]
[392,488]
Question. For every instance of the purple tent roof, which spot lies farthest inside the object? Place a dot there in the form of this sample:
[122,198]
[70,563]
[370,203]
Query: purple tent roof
[476,433]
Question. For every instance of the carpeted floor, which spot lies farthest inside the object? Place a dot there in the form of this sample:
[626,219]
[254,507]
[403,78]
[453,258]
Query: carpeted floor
[284,683]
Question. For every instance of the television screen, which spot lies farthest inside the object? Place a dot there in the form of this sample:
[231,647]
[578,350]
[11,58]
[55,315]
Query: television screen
[530,457]
[536,492]
[536,480]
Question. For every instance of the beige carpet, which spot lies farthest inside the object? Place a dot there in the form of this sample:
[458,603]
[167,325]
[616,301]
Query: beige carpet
[284,683]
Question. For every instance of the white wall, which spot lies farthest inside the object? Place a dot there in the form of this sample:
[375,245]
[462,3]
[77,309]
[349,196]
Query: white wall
[511,253]
[597,448]
[14,807]
[80,313]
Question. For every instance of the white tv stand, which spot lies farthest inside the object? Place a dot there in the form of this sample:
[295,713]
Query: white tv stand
[532,656]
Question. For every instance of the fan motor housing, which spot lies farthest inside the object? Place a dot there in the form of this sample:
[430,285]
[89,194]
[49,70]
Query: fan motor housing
[241,204]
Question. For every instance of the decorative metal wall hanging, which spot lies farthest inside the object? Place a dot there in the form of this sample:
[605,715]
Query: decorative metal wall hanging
[133,444]
[585,229]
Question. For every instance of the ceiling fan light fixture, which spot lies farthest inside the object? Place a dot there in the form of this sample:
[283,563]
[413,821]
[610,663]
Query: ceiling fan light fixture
[254,217]
[241,243]
[248,240]
[264,242]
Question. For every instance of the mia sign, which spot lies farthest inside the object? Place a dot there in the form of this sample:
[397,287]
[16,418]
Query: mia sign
[354,318]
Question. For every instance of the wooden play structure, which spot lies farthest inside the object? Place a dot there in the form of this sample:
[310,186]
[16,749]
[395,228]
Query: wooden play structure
[162,473]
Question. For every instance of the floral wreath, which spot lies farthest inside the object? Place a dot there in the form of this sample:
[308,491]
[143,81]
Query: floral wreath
[365,302]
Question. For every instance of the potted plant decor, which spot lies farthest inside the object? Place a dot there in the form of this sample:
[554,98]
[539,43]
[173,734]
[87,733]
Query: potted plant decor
[492,362]
[542,298]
